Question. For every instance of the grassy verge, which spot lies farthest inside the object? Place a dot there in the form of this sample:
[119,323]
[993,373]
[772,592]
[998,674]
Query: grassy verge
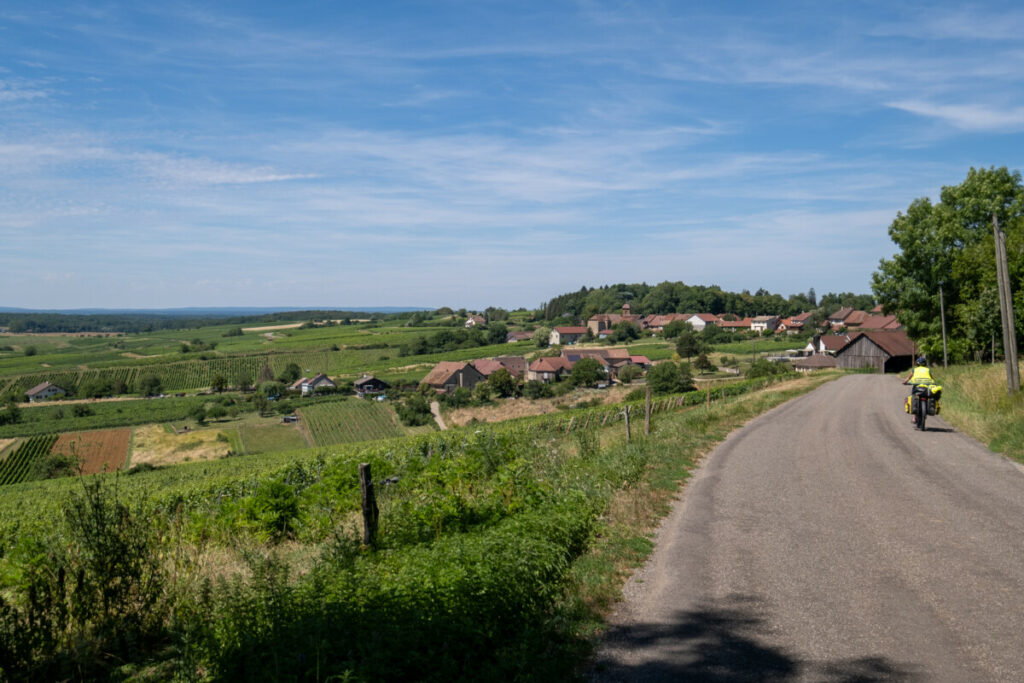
[974,400]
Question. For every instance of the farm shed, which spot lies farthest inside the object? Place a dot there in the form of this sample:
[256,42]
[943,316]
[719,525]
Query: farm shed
[888,351]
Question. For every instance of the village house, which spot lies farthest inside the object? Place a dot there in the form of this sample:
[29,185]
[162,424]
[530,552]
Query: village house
[826,344]
[475,321]
[566,335]
[318,383]
[764,323]
[838,319]
[518,336]
[43,391]
[447,376]
[880,322]
[657,323]
[549,369]
[606,321]
[698,321]
[368,385]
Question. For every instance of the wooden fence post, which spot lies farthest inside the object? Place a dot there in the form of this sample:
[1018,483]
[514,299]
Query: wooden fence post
[370,511]
[647,412]
[626,413]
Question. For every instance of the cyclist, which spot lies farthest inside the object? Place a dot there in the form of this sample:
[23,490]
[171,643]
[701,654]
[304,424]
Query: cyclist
[921,373]
[920,376]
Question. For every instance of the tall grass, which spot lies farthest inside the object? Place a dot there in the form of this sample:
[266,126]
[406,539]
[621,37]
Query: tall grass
[975,401]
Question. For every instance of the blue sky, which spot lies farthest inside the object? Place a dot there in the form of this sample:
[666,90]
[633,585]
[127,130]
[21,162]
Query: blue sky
[481,153]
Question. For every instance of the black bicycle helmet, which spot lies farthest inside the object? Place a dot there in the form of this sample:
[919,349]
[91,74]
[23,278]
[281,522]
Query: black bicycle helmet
[921,360]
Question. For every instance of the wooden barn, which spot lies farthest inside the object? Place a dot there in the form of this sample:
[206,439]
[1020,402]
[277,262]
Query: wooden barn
[885,351]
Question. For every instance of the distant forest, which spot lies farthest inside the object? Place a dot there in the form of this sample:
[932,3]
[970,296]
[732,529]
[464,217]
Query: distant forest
[677,297]
[146,322]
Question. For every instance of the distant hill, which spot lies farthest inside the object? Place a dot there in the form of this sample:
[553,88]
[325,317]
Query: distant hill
[213,312]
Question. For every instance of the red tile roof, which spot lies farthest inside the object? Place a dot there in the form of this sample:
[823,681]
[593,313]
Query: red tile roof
[571,330]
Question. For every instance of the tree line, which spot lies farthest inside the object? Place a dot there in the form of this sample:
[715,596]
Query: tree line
[678,297]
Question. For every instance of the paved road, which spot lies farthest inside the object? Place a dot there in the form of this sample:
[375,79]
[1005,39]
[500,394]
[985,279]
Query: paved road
[830,541]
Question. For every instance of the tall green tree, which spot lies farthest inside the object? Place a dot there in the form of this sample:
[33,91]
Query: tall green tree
[949,244]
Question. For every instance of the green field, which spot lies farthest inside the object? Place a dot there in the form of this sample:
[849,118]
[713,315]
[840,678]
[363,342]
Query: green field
[351,421]
[271,438]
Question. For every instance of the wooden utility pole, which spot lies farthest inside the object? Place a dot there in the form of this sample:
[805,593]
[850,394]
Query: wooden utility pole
[626,415]
[370,511]
[942,314]
[647,412]
[1006,310]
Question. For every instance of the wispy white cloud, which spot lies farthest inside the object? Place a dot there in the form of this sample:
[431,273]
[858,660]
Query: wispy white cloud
[969,117]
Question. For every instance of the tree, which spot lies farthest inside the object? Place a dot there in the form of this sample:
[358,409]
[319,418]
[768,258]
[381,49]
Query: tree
[704,364]
[535,389]
[587,372]
[502,383]
[497,333]
[150,384]
[198,413]
[482,393]
[11,413]
[292,372]
[630,373]
[689,344]
[30,351]
[219,383]
[260,403]
[675,328]
[414,410]
[542,335]
[242,380]
[670,378]
[216,412]
[266,374]
[950,244]
[625,331]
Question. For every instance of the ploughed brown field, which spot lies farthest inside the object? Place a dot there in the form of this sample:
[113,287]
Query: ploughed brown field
[99,450]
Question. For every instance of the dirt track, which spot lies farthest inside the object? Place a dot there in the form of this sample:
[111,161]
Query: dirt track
[830,541]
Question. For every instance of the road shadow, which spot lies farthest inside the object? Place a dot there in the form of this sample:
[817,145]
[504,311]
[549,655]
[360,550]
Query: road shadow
[725,641]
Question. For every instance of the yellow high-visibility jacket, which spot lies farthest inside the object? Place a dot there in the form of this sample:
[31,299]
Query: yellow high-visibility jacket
[922,375]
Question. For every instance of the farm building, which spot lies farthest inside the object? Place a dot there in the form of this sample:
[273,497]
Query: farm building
[886,351]
[566,335]
[449,375]
[548,369]
[43,391]
[318,383]
[368,384]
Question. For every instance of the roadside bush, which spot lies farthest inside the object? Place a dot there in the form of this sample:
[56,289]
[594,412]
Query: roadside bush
[274,508]
[670,378]
[414,410]
[766,368]
[535,389]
